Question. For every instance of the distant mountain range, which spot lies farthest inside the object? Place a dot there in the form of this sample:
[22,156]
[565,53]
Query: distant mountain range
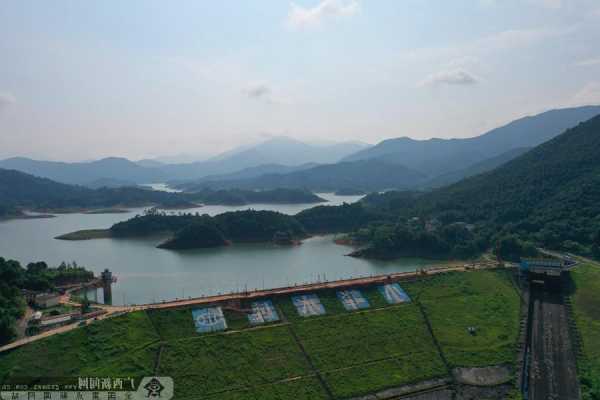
[550,194]
[366,175]
[280,153]
[400,163]
[115,169]
[21,190]
[435,157]
[405,163]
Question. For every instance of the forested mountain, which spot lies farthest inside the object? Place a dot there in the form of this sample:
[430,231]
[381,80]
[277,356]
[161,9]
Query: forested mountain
[550,195]
[22,191]
[18,189]
[475,169]
[438,156]
[368,175]
[81,173]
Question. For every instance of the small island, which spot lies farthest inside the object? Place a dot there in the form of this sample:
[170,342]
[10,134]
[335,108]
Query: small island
[190,231]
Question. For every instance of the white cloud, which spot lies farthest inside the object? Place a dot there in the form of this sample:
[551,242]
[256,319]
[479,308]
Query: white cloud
[516,38]
[6,99]
[258,90]
[452,77]
[588,63]
[588,94]
[303,17]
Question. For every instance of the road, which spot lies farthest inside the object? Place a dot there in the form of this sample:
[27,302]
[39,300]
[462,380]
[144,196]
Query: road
[117,310]
[553,370]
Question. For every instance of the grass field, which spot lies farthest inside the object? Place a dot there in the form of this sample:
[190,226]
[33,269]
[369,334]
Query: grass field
[122,345]
[485,300]
[339,355]
[586,307]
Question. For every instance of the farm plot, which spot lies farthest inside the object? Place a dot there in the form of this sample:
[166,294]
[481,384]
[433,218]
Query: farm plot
[483,300]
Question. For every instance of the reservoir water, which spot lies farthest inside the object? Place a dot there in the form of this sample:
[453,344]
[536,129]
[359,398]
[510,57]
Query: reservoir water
[147,274]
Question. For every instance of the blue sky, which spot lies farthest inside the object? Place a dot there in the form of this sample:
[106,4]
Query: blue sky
[88,79]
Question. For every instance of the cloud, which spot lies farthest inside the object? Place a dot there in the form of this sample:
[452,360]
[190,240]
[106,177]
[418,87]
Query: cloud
[6,99]
[588,63]
[303,17]
[452,77]
[588,94]
[518,38]
[258,90]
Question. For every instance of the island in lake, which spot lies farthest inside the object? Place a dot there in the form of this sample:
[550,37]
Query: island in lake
[189,231]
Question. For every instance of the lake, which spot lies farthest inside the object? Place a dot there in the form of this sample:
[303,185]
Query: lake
[147,274]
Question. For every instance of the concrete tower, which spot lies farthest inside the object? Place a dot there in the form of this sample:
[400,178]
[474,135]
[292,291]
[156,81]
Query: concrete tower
[107,280]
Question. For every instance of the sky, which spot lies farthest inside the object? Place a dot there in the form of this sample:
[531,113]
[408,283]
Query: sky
[82,80]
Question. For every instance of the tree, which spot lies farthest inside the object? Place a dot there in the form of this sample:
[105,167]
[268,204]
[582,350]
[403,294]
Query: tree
[511,248]
[85,304]
[596,246]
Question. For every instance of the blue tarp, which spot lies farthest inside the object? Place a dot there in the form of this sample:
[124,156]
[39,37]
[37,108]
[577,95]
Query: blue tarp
[262,311]
[308,304]
[393,293]
[352,299]
[210,319]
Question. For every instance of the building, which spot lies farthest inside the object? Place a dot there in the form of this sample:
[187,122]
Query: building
[47,300]
[543,269]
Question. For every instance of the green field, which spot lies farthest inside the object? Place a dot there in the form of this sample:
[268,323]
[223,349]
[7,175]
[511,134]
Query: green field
[338,355]
[122,345]
[586,307]
[485,300]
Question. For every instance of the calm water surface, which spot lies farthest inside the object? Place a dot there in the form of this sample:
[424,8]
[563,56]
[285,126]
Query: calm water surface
[147,274]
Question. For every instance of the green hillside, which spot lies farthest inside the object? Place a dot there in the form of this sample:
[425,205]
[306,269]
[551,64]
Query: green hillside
[18,189]
[338,355]
[550,195]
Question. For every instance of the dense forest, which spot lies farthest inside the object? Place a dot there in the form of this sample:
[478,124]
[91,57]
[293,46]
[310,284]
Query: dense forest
[330,219]
[35,276]
[548,197]
[194,230]
[197,235]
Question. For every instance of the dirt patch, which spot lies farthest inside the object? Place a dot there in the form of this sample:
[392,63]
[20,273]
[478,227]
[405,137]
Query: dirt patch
[444,394]
[479,392]
[485,376]
[428,390]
